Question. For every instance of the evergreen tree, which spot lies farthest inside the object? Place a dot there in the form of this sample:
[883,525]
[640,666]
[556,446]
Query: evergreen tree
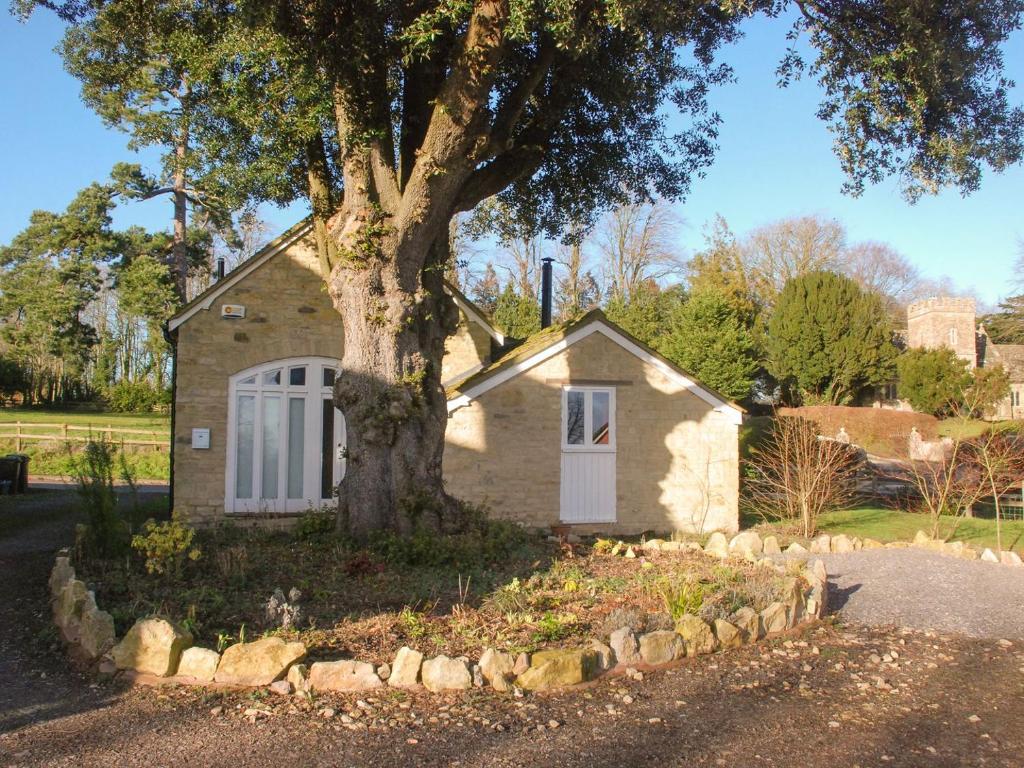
[709,338]
[487,289]
[829,340]
[517,315]
[933,380]
[1007,325]
[647,314]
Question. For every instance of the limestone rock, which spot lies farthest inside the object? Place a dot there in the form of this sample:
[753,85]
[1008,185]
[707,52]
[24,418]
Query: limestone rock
[444,674]
[61,574]
[152,646]
[873,544]
[630,617]
[298,676]
[258,663]
[74,599]
[774,618]
[522,664]
[384,671]
[717,545]
[796,549]
[728,635]
[1009,557]
[405,669]
[842,544]
[748,621]
[746,544]
[200,663]
[345,675]
[661,647]
[496,668]
[652,545]
[625,646]
[771,545]
[281,688]
[605,655]
[696,634]
[558,668]
[922,539]
[793,598]
[95,632]
[989,556]
[821,545]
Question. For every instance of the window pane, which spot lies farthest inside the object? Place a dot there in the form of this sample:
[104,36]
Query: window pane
[599,418]
[245,423]
[296,443]
[327,450]
[328,377]
[271,445]
[574,418]
[272,377]
[249,380]
[297,376]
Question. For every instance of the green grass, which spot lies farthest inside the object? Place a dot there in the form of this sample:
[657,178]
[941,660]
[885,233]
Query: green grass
[893,525]
[966,429]
[155,421]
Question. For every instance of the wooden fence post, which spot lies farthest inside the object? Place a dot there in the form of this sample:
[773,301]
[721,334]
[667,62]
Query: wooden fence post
[17,436]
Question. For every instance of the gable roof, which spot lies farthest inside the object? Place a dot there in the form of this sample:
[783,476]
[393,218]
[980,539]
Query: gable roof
[556,338]
[281,243]
[1012,358]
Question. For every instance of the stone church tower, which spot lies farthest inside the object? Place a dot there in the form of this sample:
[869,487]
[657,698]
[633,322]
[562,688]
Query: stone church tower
[944,322]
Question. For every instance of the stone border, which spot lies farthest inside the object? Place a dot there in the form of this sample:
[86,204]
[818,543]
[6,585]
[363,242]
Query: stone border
[155,649]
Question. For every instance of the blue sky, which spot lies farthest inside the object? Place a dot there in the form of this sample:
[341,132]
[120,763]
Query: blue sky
[774,160]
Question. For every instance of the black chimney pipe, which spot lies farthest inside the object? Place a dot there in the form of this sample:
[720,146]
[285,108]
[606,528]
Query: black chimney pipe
[545,292]
[220,267]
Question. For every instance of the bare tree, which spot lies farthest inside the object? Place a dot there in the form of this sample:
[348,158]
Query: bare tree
[881,269]
[999,456]
[636,244]
[798,475]
[790,248]
[578,289]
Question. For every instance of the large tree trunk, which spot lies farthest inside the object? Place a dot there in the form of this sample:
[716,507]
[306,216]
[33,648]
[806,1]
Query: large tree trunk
[390,391]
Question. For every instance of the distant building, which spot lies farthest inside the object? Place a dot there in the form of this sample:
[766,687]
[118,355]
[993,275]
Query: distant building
[951,322]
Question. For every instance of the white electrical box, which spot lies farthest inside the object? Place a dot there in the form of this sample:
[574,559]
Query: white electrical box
[200,438]
[232,310]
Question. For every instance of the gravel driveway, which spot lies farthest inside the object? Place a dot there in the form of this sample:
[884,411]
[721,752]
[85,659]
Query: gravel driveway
[924,590]
[829,696]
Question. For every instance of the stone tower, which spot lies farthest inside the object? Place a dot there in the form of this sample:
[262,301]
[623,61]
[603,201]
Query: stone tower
[944,322]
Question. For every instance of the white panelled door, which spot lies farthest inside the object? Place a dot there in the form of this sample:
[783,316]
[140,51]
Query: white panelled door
[286,439]
[588,455]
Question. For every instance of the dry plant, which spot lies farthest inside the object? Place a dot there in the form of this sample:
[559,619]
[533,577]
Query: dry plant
[999,457]
[798,475]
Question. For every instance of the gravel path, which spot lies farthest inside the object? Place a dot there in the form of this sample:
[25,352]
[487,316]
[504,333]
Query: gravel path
[924,590]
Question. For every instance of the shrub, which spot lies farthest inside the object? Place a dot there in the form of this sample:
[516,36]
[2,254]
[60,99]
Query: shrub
[167,547]
[135,397]
[682,597]
[315,524]
[105,534]
[483,543]
[933,380]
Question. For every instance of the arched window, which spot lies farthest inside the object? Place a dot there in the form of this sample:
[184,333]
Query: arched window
[952,337]
[286,439]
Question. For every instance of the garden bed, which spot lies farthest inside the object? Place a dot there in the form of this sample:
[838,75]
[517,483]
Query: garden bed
[495,587]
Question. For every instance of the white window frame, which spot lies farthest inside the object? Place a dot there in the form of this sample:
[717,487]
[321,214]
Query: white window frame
[314,393]
[588,446]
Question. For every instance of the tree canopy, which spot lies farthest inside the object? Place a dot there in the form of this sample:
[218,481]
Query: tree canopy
[933,381]
[829,339]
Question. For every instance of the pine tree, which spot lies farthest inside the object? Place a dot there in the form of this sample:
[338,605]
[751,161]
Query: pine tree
[517,315]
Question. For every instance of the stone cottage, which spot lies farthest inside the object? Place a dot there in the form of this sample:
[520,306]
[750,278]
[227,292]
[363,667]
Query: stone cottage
[581,424]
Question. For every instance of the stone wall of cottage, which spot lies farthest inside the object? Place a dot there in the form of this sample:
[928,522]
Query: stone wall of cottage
[677,461]
[287,314]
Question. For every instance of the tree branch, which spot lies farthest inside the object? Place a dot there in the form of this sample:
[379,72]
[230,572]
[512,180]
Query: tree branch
[490,179]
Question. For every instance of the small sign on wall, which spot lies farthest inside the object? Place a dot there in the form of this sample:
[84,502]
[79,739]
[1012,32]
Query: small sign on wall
[201,438]
[232,310]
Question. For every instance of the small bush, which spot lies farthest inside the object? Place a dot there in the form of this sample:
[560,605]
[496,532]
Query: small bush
[315,524]
[166,547]
[486,543]
[135,397]
[682,597]
[105,534]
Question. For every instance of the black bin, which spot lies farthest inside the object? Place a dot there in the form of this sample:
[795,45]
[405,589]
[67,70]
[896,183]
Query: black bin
[23,474]
[10,472]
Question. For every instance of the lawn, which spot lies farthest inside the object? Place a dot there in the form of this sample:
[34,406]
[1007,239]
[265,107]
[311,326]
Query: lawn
[54,459]
[893,525]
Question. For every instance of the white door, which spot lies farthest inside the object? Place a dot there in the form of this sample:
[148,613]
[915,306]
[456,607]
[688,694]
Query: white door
[588,455]
[285,437]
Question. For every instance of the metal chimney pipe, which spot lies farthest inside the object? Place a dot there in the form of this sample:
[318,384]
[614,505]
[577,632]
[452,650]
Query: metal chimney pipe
[545,292]
[220,267]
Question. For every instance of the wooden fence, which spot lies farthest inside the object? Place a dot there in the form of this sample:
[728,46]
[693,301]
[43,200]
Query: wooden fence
[24,432]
